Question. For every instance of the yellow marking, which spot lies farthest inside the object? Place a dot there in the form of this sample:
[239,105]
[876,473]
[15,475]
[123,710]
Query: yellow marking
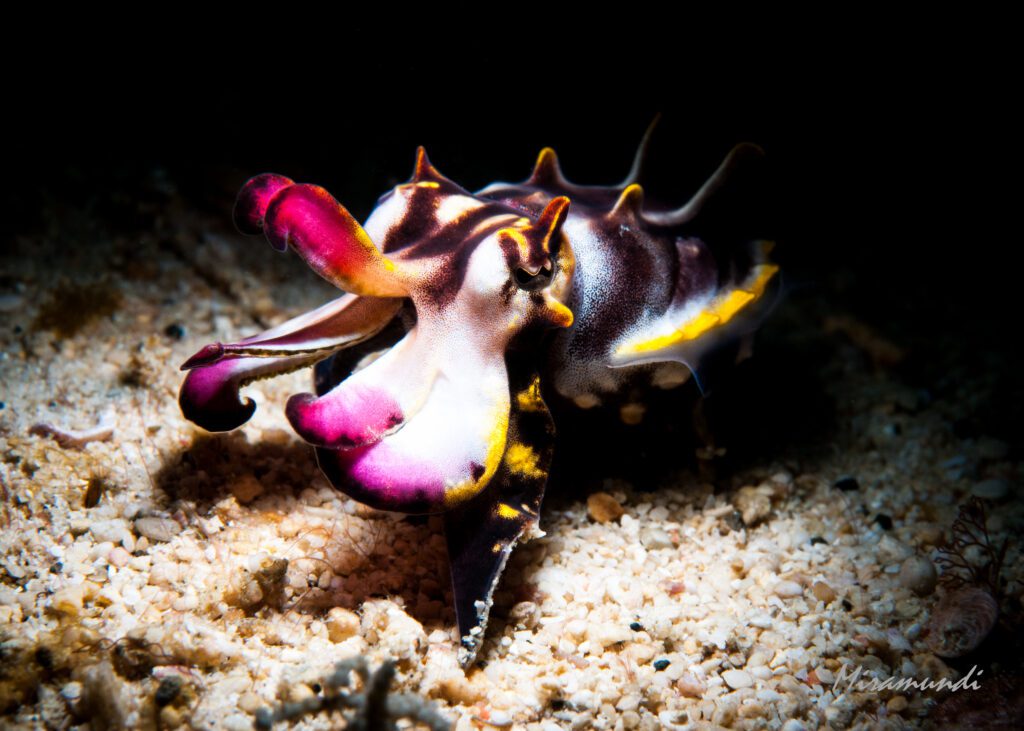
[764,273]
[517,236]
[467,489]
[529,399]
[359,266]
[720,310]
[496,548]
[632,197]
[507,511]
[559,314]
[703,322]
[522,460]
[733,303]
[562,283]
[427,184]
[546,158]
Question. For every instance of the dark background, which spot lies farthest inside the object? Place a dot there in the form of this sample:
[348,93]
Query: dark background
[891,150]
[892,159]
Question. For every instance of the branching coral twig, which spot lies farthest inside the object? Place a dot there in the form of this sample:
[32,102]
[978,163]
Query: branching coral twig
[373,709]
[971,536]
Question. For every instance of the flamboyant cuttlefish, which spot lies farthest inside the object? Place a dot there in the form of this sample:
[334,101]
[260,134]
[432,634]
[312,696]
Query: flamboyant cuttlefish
[488,300]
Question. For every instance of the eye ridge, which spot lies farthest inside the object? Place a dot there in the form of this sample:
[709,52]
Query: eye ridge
[526,280]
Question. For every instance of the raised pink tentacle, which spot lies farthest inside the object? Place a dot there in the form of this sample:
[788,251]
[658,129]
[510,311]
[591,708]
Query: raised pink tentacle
[253,199]
[330,240]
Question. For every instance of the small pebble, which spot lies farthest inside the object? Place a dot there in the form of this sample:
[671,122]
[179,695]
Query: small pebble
[174,331]
[525,614]
[897,704]
[661,664]
[119,557]
[603,508]
[246,489]
[108,530]
[826,676]
[78,526]
[72,691]
[170,717]
[753,504]
[823,592]
[606,635]
[236,722]
[690,686]
[299,692]
[168,690]
[630,720]
[892,551]
[500,719]
[884,521]
[846,484]
[993,489]
[787,589]
[157,529]
[341,624]
[636,626]
[918,574]
[69,600]
[736,679]
[249,702]
[929,534]
[654,539]
[733,520]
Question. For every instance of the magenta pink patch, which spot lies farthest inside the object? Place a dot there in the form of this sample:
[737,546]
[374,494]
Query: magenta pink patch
[387,479]
[351,415]
[309,219]
[253,199]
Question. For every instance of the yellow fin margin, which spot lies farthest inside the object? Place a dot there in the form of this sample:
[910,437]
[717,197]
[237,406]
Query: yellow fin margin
[719,311]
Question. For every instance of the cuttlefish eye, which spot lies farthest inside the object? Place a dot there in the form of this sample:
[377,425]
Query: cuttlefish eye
[529,281]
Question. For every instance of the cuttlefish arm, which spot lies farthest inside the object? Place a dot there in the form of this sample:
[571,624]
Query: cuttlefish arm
[210,393]
[482,533]
[422,429]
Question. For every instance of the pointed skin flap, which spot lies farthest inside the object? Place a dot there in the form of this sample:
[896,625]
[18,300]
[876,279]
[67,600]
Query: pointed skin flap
[482,533]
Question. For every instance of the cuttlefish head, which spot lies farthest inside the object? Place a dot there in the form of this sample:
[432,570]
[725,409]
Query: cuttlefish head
[423,427]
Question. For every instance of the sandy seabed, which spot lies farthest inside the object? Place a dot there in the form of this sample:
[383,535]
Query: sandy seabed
[149,550]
